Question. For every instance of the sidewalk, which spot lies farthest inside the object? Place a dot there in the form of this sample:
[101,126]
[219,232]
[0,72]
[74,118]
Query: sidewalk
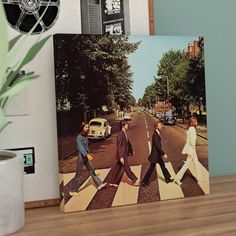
[201,130]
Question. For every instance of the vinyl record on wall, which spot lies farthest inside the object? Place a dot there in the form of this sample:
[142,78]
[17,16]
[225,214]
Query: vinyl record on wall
[23,14]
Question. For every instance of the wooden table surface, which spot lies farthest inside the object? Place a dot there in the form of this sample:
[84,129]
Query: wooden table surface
[214,214]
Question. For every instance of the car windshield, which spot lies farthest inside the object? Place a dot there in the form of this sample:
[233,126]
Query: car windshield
[95,123]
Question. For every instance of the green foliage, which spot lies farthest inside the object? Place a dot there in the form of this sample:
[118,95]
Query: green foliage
[179,78]
[150,95]
[96,73]
[11,79]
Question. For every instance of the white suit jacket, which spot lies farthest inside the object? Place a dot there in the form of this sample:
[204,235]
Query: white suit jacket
[190,145]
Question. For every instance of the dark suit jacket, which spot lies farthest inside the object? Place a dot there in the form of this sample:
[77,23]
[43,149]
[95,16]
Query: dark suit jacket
[156,152]
[124,147]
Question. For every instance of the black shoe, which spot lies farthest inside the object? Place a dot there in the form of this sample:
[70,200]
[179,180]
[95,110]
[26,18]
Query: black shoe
[169,180]
[144,184]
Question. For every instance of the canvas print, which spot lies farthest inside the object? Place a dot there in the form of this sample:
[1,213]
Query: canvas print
[132,119]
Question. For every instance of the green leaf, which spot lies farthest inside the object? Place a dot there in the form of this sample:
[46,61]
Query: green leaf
[13,41]
[12,78]
[4,38]
[33,51]
[17,87]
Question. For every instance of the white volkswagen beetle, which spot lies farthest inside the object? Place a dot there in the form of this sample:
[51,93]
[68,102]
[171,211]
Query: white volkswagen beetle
[99,128]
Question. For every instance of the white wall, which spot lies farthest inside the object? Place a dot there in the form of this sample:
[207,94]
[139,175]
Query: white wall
[139,18]
[38,128]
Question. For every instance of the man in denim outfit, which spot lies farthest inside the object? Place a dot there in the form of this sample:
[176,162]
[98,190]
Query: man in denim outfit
[84,159]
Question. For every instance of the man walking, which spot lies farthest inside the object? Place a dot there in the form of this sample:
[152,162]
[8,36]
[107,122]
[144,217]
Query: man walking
[156,156]
[124,149]
[84,158]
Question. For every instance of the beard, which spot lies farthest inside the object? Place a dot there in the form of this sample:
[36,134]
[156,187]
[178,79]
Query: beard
[85,132]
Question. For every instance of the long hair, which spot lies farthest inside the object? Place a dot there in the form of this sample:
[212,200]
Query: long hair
[82,125]
[192,122]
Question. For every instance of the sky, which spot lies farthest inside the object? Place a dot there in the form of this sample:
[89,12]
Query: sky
[146,58]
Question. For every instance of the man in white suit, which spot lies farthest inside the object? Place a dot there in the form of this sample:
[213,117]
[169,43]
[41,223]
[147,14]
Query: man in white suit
[190,150]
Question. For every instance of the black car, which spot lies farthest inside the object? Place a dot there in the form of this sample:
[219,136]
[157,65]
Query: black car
[169,117]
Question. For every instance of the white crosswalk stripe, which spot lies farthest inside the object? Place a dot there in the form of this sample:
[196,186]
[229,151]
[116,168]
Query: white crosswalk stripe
[126,193]
[171,190]
[204,182]
[86,192]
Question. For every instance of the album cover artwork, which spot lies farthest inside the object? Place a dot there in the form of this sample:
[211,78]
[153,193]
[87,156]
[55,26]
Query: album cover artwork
[131,119]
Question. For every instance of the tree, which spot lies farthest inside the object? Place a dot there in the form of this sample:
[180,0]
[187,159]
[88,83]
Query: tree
[196,74]
[150,95]
[96,72]
[171,80]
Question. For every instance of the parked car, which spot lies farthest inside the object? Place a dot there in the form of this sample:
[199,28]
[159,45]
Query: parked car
[159,114]
[99,128]
[127,116]
[169,117]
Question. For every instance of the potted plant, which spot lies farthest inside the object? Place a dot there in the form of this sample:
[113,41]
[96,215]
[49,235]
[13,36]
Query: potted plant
[12,60]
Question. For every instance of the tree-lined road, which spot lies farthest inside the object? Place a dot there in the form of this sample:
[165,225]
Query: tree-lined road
[140,134]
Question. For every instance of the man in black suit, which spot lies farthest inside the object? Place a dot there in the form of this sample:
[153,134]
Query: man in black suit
[124,149]
[156,156]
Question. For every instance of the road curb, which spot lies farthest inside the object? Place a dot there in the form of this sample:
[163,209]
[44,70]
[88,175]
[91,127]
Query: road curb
[181,126]
[200,135]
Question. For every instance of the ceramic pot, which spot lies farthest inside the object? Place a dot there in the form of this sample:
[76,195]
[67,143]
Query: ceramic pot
[12,213]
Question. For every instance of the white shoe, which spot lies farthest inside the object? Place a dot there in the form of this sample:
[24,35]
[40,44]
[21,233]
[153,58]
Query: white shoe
[177,181]
[101,186]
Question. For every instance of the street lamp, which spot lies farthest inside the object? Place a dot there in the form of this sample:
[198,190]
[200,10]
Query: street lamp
[200,107]
[168,89]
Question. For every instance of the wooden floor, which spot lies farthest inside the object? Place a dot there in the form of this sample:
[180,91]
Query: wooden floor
[214,214]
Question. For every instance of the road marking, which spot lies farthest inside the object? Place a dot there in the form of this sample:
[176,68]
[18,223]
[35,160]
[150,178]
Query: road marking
[171,190]
[204,183]
[86,193]
[149,146]
[126,193]
[148,135]
[68,177]
[145,120]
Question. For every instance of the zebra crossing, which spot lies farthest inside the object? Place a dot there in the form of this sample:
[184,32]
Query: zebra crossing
[125,193]
[168,191]
[205,176]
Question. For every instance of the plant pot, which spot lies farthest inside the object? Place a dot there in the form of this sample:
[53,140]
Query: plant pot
[12,213]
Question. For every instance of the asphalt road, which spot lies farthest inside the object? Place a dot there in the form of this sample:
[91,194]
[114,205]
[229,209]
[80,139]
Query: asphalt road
[140,134]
